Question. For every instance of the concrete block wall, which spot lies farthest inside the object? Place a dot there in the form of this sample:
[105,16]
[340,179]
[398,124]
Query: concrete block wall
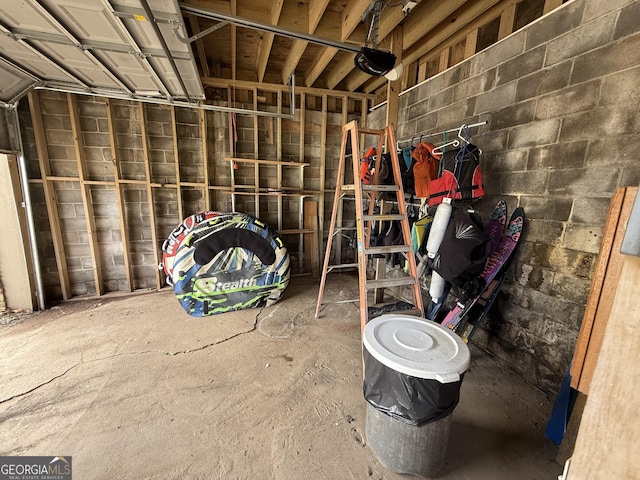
[130,152]
[561,100]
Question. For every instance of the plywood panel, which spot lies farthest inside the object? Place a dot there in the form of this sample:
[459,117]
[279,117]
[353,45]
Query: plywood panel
[603,287]
[607,442]
[15,276]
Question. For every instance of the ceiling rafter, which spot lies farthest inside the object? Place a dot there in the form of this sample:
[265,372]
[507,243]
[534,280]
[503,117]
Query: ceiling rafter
[323,58]
[267,40]
[352,16]
[316,12]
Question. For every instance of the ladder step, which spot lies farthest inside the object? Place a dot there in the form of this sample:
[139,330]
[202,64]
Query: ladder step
[342,265]
[387,249]
[342,229]
[384,217]
[380,188]
[371,188]
[391,282]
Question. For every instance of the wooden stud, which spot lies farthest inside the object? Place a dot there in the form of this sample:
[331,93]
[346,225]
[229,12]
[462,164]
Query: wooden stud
[49,193]
[122,214]
[152,212]
[176,155]
[443,62]
[507,19]
[278,155]
[550,5]
[232,149]
[85,190]
[471,43]
[323,166]
[256,166]
[312,252]
[205,158]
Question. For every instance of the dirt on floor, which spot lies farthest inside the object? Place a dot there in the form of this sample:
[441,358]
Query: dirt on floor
[133,387]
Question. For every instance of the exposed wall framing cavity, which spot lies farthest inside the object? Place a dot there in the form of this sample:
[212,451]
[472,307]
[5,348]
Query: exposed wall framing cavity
[110,178]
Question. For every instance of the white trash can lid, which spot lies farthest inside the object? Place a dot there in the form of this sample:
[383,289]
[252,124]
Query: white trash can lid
[417,347]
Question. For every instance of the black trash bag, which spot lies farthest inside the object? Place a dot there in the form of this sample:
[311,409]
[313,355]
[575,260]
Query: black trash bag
[412,400]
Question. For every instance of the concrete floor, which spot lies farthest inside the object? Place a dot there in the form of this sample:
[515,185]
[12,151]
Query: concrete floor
[133,387]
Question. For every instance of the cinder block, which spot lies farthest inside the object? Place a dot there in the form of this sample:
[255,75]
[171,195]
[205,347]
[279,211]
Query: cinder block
[95,108]
[590,210]
[502,51]
[599,122]
[544,81]
[594,8]
[621,88]
[94,139]
[627,20]
[547,28]
[425,124]
[536,278]
[525,183]
[59,137]
[597,181]
[496,98]
[547,208]
[513,115]
[521,65]
[475,85]
[606,60]
[549,232]
[569,100]
[435,102]
[129,141]
[504,161]
[456,112]
[557,156]
[53,105]
[580,40]
[534,134]
[584,238]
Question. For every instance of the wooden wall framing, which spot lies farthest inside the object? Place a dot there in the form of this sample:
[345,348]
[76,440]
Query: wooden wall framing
[301,181]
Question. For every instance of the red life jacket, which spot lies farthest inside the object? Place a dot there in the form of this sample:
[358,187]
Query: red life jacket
[461,177]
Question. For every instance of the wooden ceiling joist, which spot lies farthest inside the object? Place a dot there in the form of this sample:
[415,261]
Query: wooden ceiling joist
[352,16]
[322,60]
[316,11]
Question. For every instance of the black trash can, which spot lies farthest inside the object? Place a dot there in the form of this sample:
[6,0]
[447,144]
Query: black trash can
[413,373]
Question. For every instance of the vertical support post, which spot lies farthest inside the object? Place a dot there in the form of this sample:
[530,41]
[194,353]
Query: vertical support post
[205,159]
[256,154]
[311,240]
[49,193]
[278,154]
[471,43]
[507,19]
[323,164]
[176,155]
[115,158]
[152,212]
[232,150]
[85,190]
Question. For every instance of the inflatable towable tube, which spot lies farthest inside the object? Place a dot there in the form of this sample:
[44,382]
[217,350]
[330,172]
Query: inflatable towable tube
[227,262]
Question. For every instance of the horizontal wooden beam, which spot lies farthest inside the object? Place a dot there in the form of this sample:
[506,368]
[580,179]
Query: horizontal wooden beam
[275,87]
